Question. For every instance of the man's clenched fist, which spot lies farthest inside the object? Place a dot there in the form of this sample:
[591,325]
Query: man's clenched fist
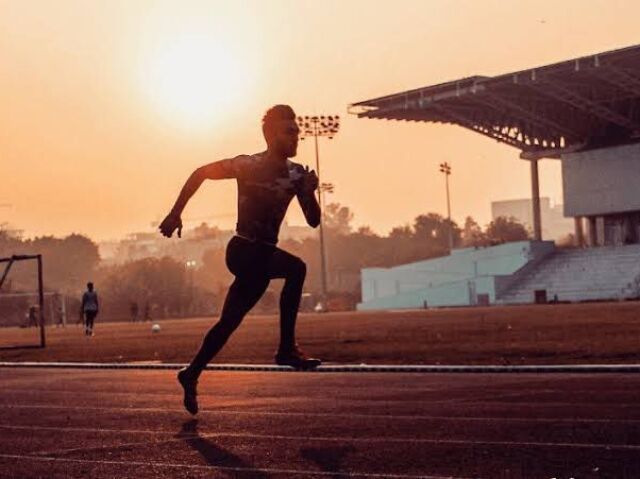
[169,225]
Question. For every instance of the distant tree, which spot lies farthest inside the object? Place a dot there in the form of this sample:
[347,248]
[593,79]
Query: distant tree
[163,283]
[472,234]
[68,262]
[337,219]
[505,229]
[365,231]
[204,231]
[401,232]
[433,228]
[213,272]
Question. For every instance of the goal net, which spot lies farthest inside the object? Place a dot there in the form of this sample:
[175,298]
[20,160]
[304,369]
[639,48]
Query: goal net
[24,306]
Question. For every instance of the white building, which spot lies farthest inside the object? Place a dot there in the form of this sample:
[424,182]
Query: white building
[555,225]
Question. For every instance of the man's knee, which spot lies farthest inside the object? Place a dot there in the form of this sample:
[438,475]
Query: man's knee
[299,269]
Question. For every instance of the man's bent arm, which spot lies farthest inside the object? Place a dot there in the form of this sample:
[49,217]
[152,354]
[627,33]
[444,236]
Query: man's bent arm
[217,170]
[310,208]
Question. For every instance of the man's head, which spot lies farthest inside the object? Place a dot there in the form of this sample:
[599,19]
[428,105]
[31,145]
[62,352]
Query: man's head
[281,130]
[90,286]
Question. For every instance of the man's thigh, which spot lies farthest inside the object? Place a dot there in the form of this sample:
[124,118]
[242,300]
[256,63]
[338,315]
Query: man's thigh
[282,264]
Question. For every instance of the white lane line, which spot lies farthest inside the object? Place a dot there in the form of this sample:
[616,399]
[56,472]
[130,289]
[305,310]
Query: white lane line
[224,468]
[410,417]
[351,368]
[374,439]
[172,391]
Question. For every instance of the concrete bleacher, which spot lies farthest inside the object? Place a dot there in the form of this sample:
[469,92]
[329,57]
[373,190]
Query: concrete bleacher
[457,279]
[581,275]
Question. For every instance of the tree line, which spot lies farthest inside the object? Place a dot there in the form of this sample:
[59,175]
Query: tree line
[167,287]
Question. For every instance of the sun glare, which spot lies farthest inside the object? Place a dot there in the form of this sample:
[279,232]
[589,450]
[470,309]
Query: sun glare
[193,79]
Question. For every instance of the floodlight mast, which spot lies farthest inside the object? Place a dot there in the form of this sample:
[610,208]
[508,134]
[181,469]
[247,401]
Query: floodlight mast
[317,126]
[446,169]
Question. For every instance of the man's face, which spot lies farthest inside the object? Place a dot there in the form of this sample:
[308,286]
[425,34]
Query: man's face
[285,138]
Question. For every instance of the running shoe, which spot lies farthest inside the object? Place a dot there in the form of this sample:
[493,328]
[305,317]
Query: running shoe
[296,358]
[189,384]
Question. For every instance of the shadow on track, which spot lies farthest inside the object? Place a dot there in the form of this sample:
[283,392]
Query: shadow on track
[329,459]
[215,455]
[13,348]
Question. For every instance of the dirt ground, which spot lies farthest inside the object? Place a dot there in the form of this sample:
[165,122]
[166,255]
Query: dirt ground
[543,334]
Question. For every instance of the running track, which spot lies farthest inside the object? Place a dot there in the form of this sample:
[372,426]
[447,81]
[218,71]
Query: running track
[129,423]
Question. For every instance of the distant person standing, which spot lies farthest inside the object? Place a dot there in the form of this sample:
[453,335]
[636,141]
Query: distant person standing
[147,311]
[133,309]
[32,317]
[90,308]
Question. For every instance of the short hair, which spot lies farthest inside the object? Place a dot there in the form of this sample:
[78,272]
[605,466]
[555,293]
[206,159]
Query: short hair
[89,285]
[273,115]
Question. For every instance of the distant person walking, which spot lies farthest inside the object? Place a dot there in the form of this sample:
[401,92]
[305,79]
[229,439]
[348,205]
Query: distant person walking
[89,308]
[267,182]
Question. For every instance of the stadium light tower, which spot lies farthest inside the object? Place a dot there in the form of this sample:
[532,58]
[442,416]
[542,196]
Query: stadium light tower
[316,126]
[446,169]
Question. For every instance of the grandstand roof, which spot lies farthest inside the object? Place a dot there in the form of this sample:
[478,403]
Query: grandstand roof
[584,103]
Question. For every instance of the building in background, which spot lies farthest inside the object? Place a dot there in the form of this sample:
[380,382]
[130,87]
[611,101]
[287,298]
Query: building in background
[555,226]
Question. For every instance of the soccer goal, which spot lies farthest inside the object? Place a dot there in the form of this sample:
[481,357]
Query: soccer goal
[22,301]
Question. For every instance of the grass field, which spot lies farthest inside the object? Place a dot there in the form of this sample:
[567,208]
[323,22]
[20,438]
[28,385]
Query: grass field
[548,334]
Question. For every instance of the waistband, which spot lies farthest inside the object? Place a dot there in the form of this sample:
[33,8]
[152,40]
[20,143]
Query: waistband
[254,240]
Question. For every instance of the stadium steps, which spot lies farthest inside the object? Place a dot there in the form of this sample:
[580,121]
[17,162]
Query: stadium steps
[611,272]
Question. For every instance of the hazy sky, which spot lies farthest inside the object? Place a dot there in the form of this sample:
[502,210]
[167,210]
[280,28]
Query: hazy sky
[107,106]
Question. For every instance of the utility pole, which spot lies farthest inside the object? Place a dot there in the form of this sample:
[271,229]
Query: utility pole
[317,126]
[446,169]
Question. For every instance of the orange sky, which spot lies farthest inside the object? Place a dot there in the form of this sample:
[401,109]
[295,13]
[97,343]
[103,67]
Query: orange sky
[94,137]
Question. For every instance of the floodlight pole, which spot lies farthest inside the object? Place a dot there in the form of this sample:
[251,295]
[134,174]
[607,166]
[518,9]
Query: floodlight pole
[41,301]
[446,169]
[320,126]
[323,258]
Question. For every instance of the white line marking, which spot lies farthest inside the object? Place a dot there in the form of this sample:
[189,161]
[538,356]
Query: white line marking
[223,468]
[353,368]
[623,447]
[411,417]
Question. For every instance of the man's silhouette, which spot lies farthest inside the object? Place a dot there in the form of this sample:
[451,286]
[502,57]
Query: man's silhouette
[267,182]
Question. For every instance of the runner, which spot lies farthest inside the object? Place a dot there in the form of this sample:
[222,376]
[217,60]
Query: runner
[267,182]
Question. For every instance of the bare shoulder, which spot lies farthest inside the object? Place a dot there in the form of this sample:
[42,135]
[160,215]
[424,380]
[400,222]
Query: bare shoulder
[243,162]
[293,166]
[296,170]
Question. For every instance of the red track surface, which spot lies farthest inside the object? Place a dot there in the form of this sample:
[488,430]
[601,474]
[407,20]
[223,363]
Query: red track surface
[105,424]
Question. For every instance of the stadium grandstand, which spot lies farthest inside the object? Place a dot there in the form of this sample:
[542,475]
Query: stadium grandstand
[584,112]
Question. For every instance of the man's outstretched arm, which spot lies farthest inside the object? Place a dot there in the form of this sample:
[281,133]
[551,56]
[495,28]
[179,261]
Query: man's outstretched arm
[307,199]
[213,171]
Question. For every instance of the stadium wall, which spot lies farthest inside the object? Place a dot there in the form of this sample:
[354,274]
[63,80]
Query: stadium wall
[454,280]
[601,182]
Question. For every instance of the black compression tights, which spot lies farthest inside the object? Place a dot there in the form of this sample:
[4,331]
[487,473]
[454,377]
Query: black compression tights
[254,265]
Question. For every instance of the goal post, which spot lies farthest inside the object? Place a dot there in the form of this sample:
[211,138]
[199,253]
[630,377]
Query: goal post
[8,263]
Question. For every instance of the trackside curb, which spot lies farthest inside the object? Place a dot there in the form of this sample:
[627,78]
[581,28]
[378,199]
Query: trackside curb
[347,368]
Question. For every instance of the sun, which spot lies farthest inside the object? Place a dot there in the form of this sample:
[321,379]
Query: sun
[193,79]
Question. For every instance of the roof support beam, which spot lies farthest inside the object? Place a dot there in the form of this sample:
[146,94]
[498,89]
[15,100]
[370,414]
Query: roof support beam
[560,92]
[529,115]
[619,78]
[554,153]
[463,120]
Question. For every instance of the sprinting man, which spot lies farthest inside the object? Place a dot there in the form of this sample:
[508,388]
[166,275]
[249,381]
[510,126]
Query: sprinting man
[89,308]
[267,182]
